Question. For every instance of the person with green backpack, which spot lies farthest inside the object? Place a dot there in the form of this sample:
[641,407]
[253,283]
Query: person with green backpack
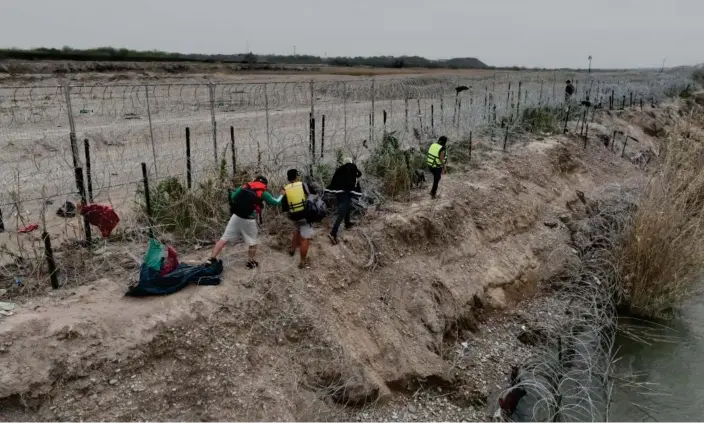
[244,203]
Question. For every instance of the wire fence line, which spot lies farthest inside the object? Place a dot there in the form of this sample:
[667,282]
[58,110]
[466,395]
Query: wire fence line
[263,125]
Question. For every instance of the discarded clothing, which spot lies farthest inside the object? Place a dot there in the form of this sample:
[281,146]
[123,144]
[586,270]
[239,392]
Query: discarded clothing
[160,258]
[68,210]
[29,228]
[102,216]
[152,283]
[171,262]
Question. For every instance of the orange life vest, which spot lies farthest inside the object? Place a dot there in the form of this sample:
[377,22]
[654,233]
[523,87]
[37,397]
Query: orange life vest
[259,189]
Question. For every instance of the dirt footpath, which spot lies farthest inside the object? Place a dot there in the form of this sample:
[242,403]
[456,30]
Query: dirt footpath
[375,323]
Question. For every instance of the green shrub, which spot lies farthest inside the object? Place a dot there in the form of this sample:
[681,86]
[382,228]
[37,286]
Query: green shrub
[323,173]
[195,214]
[537,119]
[394,166]
[542,119]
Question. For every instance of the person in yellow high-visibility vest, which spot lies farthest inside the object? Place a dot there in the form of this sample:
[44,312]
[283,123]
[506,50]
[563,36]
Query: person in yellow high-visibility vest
[294,202]
[437,162]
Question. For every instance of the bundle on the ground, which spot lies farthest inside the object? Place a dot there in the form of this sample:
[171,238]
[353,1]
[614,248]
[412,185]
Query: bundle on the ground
[161,274]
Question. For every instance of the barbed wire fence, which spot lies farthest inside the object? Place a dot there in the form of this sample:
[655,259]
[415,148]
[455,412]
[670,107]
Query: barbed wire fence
[87,143]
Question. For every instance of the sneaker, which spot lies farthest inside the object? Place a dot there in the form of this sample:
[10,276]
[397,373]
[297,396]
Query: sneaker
[350,225]
[333,238]
[252,264]
[304,264]
[291,252]
[211,261]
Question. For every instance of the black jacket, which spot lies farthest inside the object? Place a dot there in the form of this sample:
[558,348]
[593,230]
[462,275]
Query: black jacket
[345,178]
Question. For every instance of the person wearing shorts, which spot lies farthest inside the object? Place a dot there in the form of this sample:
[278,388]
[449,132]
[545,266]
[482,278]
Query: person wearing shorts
[294,202]
[246,227]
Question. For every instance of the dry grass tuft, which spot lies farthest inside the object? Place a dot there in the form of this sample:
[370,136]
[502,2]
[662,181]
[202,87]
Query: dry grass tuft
[662,254]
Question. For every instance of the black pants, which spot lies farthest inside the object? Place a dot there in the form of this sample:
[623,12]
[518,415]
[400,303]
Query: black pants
[344,209]
[437,174]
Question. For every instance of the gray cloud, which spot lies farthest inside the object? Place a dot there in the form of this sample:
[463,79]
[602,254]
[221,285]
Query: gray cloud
[545,33]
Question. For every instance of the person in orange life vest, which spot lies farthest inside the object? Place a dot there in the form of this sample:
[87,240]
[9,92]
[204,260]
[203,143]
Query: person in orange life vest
[294,202]
[243,224]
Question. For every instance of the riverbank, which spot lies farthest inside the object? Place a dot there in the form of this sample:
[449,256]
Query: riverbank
[457,292]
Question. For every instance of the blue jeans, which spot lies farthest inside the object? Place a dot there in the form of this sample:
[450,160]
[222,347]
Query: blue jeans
[344,208]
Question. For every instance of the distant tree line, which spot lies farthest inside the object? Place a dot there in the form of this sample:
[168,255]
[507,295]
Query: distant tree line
[123,54]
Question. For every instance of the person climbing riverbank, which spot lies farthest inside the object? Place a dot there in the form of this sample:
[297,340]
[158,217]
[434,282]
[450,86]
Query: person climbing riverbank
[437,162]
[244,203]
[343,184]
[294,202]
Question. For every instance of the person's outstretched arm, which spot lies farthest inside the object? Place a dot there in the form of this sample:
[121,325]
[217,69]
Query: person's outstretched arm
[275,202]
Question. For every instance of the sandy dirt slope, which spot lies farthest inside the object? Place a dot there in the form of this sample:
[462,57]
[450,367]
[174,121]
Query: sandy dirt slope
[286,344]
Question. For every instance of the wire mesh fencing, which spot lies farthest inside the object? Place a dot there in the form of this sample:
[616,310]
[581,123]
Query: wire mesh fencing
[87,143]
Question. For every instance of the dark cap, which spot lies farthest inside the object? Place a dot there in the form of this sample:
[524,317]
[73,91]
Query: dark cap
[262,179]
[442,140]
[292,174]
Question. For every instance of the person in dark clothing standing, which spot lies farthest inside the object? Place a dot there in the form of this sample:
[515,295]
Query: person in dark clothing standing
[569,90]
[436,162]
[343,185]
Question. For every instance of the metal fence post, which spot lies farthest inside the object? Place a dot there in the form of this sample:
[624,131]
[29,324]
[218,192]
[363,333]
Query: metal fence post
[432,117]
[508,99]
[50,261]
[72,133]
[232,150]
[373,109]
[344,110]
[151,129]
[211,92]
[373,115]
[147,199]
[266,110]
[406,105]
[442,111]
[322,138]
[89,176]
[82,193]
[189,174]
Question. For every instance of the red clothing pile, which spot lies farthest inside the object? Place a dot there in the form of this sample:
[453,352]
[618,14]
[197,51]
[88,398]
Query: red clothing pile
[101,216]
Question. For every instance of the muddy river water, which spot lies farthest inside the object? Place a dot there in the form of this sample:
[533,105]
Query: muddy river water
[675,370]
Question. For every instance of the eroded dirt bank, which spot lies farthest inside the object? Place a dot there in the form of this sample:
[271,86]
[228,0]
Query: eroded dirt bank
[423,299]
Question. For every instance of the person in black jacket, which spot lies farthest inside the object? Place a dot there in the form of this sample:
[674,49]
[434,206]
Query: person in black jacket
[343,185]
[569,90]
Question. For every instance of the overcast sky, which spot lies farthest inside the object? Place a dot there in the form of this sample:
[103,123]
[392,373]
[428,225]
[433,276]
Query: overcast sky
[543,33]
